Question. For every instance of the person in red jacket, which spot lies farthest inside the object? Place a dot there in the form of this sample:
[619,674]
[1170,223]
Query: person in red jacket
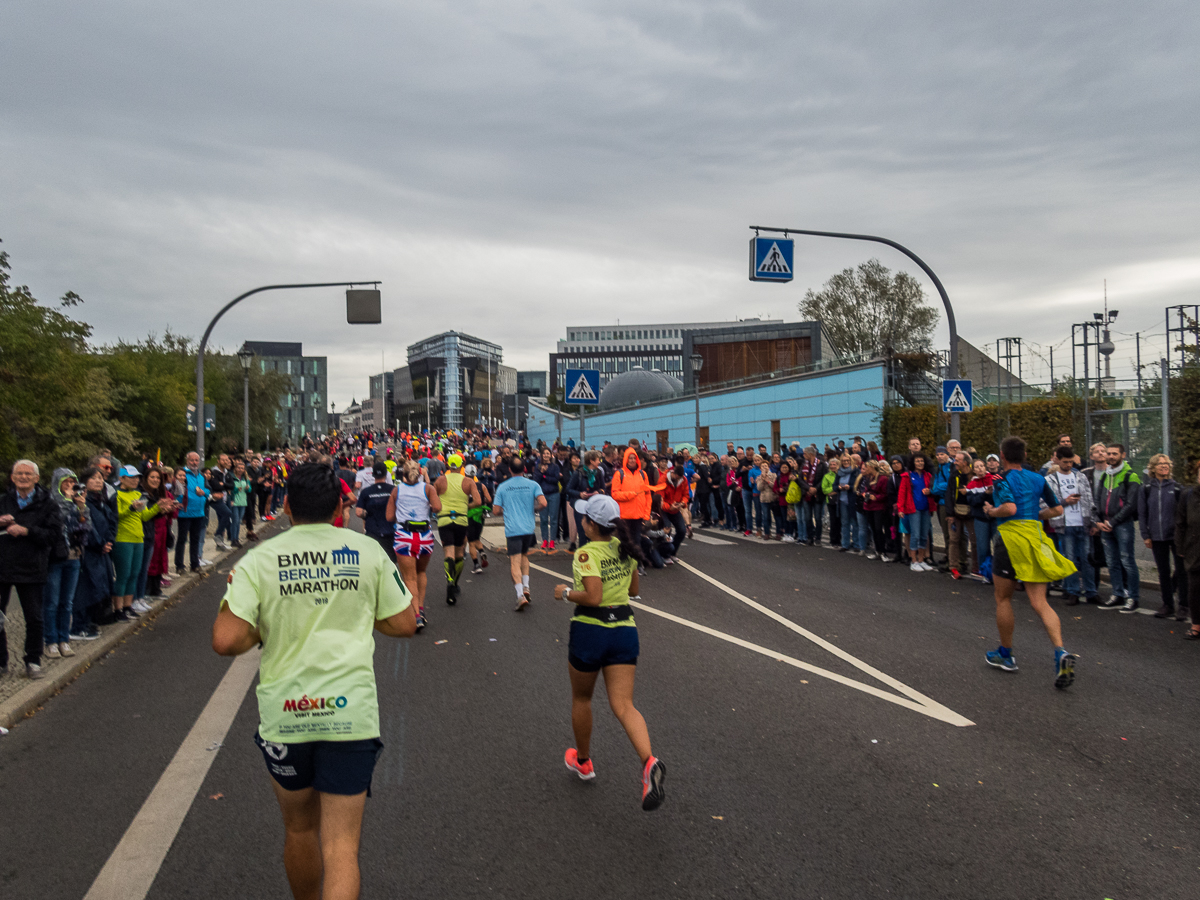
[915,502]
[676,495]
[632,489]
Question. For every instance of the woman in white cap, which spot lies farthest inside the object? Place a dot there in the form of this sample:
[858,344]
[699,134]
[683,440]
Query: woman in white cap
[604,639]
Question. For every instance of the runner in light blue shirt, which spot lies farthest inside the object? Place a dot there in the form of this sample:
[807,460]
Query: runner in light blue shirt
[518,499]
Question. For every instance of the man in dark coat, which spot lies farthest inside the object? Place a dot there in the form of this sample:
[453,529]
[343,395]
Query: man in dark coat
[29,527]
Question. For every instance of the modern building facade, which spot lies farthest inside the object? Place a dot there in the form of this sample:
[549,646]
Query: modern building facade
[614,349]
[302,410]
[532,384]
[452,381]
[836,401]
[749,350]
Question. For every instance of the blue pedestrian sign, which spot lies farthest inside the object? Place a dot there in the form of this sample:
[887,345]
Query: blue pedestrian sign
[583,387]
[956,395]
[771,258]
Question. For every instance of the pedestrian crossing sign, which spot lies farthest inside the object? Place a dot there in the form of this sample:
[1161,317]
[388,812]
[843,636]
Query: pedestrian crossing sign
[771,258]
[583,387]
[956,395]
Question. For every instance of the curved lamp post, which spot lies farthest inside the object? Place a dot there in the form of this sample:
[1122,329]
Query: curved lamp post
[356,314]
[954,425]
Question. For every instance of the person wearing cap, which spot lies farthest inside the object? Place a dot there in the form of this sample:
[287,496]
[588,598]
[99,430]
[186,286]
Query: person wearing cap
[604,638]
[518,499]
[132,511]
[458,495]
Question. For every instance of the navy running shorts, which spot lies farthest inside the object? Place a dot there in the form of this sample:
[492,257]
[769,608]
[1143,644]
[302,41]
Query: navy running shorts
[520,543]
[592,647]
[331,767]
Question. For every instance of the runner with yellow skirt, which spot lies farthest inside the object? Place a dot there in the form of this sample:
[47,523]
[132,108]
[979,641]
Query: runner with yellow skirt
[1022,551]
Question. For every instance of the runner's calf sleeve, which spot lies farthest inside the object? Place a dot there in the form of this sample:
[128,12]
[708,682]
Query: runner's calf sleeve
[525,580]
[458,569]
[448,565]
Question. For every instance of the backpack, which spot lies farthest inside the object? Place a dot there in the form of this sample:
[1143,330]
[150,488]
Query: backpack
[793,492]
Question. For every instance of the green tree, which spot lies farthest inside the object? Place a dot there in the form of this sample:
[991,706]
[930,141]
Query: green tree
[870,311]
[43,361]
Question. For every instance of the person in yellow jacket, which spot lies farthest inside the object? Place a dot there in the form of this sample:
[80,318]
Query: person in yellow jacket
[132,511]
[458,494]
[632,489]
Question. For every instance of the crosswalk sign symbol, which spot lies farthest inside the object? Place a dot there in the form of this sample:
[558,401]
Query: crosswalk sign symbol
[583,386]
[771,259]
[956,395]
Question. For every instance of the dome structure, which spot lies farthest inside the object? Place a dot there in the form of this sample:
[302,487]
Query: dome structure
[638,386]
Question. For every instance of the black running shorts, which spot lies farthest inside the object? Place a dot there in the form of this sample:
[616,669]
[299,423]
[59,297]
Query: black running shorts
[452,535]
[1002,566]
[474,531]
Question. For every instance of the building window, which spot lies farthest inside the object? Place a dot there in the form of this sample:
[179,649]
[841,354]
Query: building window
[314,367]
[316,387]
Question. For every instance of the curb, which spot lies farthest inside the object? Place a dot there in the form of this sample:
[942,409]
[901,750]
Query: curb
[26,701]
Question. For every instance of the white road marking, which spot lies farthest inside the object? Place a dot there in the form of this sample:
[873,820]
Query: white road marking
[914,700]
[705,539]
[135,862]
[891,682]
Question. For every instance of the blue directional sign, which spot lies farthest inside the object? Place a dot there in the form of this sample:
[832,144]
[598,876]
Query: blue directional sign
[582,387]
[956,395]
[771,258]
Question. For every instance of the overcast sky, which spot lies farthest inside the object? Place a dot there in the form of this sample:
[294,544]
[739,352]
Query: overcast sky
[508,168]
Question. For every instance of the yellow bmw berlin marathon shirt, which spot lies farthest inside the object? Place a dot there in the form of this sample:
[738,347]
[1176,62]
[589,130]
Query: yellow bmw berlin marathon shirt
[603,559]
[314,593]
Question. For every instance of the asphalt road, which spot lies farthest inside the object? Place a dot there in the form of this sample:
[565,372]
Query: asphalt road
[781,783]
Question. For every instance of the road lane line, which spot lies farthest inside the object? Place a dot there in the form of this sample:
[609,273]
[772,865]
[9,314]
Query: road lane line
[927,708]
[934,711]
[135,862]
[891,682]
[705,539]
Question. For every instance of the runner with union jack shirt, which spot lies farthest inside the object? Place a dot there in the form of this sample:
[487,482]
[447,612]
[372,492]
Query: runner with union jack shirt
[411,507]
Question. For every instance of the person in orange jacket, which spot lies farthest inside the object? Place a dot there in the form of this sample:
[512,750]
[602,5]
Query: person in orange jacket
[632,489]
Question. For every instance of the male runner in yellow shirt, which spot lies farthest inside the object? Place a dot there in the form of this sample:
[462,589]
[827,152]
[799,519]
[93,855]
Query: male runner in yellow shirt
[312,597]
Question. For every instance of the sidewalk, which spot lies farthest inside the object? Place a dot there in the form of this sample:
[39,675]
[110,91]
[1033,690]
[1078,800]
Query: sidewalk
[20,697]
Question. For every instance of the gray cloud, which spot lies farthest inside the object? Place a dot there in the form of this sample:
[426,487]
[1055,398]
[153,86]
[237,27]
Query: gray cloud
[508,168]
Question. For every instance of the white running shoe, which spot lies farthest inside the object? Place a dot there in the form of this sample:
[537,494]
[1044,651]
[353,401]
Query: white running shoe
[65,649]
[205,562]
[916,567]
[51,651]
[141,606]
[927,567]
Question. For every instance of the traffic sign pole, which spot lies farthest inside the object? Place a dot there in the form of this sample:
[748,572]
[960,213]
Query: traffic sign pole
[954,423]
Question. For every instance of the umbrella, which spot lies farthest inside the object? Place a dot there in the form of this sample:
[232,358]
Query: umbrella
[690,448]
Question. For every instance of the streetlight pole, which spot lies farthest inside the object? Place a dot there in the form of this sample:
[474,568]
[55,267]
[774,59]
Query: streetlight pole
[954,423]
[212,324]
[245,357]
[697,362]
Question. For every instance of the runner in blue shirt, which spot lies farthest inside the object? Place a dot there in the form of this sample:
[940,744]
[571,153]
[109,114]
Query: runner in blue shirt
[1022,551]
[518,499]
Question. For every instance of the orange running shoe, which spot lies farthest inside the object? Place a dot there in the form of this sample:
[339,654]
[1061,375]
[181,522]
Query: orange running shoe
[653,792]
[586,771]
